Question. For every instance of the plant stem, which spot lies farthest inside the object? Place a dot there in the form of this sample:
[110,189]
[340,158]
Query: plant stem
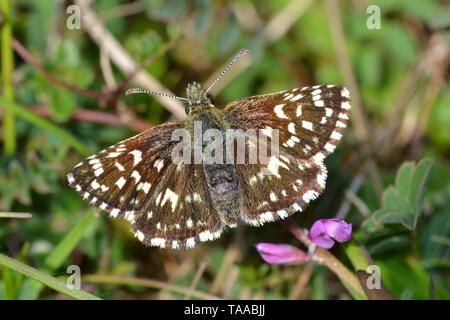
[16,215]
[324,257]
[7,63]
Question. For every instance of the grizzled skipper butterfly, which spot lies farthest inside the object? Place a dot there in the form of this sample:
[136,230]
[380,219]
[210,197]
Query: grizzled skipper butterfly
[176,204]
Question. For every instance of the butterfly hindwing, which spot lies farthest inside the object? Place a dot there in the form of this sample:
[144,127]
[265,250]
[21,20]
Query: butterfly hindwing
[181,213]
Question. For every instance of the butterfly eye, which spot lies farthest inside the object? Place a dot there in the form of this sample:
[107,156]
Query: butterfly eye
[210,99]
[187,108]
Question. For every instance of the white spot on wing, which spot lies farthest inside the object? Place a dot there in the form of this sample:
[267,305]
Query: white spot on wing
[278,109]
[139,235]
[310,195]
[307,125]
[190,243]
[159,164]
[70,178]
[319,103]
[291,128]
[283,214]
[114,212]
[273,197]
[98,172]
[158,242]
[136,176]
[328,112]
[137,156]
[318,158]
[321,179]
[345,105]
[343,116]
[341,124]
[336,135]
[95,185]
[345,93]
[330,147]
[146,187]
[119,166]
[120,182]
[172,197]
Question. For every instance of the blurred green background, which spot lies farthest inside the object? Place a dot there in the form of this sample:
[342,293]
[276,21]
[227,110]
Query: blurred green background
[62,99]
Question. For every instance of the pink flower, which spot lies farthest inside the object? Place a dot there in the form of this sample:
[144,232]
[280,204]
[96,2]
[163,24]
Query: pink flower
[281,253]
[324,231]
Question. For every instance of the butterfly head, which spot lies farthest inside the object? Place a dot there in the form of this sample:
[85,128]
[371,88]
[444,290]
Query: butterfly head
[197,96]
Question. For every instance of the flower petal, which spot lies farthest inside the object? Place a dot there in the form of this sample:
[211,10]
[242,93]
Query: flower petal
[281,253]
[319,236]
[338,229]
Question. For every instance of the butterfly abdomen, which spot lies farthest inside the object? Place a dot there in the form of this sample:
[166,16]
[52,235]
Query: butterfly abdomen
[220,176]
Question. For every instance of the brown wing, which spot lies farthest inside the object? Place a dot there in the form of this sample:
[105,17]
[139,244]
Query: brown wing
[310,122]
[167,203]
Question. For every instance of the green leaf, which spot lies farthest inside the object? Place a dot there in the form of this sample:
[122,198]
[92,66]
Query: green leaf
[386,216]
[318,285]
[419,180]
[357,255]
[62,104]
[403,184]
[8,283]
[391,200]
[400,275]
[389,244]
[402,204]
[45,279]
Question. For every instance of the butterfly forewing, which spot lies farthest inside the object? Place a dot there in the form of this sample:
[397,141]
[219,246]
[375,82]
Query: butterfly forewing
[310,122]
[136,179]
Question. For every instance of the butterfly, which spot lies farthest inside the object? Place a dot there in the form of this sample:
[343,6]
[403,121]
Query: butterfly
[176,205]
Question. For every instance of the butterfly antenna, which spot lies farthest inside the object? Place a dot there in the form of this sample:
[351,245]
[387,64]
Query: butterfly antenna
[236,57]
[139,90]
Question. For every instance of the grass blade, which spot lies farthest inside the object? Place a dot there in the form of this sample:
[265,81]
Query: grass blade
[45,279]
[44,124]
[7,63]
[62,251]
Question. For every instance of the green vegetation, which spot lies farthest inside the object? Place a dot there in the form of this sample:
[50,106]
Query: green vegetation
[62,99]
